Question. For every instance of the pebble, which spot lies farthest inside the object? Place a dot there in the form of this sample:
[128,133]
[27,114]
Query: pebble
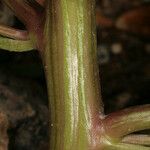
[116,48]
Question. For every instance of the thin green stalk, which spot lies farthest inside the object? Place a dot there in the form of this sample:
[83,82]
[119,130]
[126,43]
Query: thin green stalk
[137,139]
[121,123]
[72,74]
[123,146]
[16,45]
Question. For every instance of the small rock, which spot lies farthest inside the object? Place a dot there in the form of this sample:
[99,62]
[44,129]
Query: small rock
[116,48]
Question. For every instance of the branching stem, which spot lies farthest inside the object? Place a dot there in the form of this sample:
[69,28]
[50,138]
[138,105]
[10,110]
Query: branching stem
[124,146]
[65,36]
[127,121]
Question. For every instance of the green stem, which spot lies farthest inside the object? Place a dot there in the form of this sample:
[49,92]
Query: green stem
[16,45]
[124,122]
[123,146]
[72,74]
[68,49]
[137,139]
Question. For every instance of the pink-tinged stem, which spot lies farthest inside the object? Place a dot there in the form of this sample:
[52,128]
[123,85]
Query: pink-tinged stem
[124,146]
[72,74]
[32,18]
[66,40]
[127,121]
[24,12]
[137,139]
[13,33]
[39,7]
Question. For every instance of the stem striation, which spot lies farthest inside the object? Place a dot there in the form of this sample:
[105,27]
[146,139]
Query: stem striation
[72,74]
[16,45]
[64,34]
[121,123]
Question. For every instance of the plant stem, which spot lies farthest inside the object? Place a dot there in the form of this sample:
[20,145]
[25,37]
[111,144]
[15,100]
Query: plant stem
[137,139]
[16,45]
[23,11]
[66,40]
[13,33]
[124,146]
[127,121]
[72,74]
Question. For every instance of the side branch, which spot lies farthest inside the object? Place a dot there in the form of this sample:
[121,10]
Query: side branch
[16,45]
[13,33]
[127,121]
[124,146]
[22,10]
[137,139]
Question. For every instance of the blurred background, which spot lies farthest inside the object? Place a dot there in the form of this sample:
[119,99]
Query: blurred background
[123,41]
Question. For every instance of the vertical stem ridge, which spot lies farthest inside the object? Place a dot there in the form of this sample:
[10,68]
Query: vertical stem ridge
[69,59]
